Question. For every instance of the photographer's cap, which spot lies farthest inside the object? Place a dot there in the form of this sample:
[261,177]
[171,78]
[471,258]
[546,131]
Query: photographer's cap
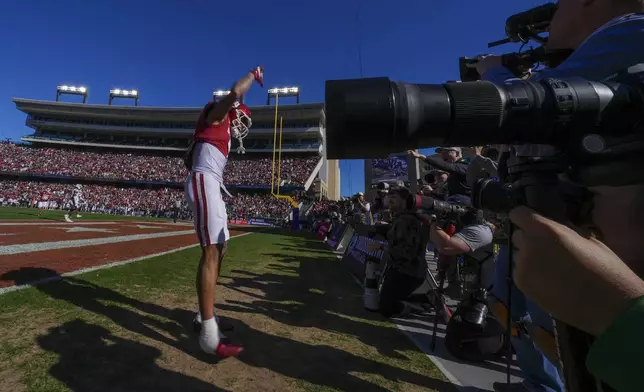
[457,149]
[460,199]
[359,194]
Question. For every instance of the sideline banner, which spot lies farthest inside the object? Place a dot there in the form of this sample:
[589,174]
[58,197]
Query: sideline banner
[358,250]
[346,238]
[262,222]
[336,235]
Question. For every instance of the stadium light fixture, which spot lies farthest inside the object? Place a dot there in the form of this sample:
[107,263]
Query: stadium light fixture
[71,90]
[120,93]
[218,94]
[276,92]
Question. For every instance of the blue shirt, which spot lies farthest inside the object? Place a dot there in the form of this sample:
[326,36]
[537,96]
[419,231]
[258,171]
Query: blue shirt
[616,46]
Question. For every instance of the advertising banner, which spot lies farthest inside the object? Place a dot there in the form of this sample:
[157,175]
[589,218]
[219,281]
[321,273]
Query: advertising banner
[264,222]
[261,222]
[391,169]
[334,238]
[358,249]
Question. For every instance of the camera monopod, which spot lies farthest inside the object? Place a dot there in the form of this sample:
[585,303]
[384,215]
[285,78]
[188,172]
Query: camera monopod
[450,229]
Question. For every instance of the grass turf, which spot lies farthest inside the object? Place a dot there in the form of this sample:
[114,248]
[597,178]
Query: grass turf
[18,213]
[128,328]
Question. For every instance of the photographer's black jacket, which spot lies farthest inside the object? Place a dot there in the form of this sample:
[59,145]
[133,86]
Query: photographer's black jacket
[457,180]
[407,243]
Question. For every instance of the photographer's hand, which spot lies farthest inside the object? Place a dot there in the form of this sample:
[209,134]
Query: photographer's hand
[415,154]
[578,280]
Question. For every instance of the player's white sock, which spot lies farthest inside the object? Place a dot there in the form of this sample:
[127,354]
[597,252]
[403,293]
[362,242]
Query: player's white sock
[198,317]
[209,336]
[198,320]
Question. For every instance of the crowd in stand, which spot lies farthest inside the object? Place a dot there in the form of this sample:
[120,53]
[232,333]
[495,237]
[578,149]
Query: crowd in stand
[244,206]
[127,166]
[248,171]
[158,202]
[324,207]
[97,198]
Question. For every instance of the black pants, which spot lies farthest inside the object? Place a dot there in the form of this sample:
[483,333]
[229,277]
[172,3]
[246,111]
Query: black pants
[395,288]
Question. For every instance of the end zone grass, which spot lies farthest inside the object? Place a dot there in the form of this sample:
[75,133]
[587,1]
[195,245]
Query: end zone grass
[19,213]
[293,306]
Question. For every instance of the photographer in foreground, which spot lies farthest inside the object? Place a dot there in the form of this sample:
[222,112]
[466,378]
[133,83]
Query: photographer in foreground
[405,265]
[606,298]
[608,37]
[449,160]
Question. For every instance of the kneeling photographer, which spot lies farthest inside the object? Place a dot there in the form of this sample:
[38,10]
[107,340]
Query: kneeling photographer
[405,265]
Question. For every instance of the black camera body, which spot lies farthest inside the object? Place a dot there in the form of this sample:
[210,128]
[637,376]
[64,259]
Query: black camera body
[473,333]
[519,63]
[527,25]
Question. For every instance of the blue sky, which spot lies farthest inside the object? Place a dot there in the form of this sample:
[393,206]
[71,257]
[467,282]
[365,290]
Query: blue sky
[176,52]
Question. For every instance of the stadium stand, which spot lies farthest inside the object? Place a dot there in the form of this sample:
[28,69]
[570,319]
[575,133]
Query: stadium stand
[26,159]
[130,159]
[159,202]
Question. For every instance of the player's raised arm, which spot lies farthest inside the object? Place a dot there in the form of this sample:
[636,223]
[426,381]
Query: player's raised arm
[220,109]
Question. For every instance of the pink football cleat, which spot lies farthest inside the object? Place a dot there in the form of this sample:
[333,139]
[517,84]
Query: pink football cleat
[228,350]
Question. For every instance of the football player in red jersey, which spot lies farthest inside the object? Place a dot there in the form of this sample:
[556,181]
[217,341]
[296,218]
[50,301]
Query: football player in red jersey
[206,160]
[43,203]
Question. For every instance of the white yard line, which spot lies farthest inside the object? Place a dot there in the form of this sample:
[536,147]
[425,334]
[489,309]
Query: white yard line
[4,290]
[41,246]
[84,223]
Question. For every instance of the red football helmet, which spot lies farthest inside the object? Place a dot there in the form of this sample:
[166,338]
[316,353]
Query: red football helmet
[240,121]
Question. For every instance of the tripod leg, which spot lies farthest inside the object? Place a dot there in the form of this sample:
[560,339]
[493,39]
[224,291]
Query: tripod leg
[508,331]
[438,309]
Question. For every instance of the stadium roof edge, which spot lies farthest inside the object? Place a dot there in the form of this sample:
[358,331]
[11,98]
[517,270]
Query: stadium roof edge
[27,101]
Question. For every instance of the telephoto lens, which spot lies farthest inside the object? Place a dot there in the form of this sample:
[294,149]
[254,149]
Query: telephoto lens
[374,117]
[420,202]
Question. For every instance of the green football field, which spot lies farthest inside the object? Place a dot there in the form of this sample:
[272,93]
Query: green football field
[293,305]
[32,213]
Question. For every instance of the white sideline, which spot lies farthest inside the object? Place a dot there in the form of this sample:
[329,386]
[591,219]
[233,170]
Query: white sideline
[450,377]
[42,246]
[4,290]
